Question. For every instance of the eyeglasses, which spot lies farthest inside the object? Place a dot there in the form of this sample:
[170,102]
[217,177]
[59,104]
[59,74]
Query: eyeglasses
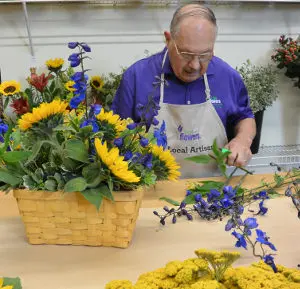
[188,56]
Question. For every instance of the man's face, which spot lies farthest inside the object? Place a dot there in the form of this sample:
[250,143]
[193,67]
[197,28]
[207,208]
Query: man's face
[191,49]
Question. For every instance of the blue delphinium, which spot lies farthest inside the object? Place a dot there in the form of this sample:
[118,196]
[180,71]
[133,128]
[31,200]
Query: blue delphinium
[160,135]
[219,204]
[91,120]
[80,78]
[3,129]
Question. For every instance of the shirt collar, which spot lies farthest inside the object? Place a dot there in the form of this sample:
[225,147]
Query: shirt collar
[167,69]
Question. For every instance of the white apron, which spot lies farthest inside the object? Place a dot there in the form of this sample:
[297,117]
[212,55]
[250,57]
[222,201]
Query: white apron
[191,130]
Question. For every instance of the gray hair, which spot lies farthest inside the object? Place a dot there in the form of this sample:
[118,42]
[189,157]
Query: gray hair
[197,10]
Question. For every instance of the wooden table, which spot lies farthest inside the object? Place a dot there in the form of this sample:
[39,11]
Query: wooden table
[72,267]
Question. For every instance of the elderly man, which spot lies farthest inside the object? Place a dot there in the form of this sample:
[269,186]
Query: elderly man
[200,96]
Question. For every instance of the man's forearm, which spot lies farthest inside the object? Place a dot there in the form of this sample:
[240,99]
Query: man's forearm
[245,131]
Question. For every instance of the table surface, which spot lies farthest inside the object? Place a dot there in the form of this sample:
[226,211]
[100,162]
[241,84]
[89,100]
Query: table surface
[74,267]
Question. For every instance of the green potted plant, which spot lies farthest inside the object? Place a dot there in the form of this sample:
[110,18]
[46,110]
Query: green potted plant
[262,84]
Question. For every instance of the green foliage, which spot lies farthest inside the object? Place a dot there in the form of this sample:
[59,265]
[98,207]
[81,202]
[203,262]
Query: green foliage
[261,83]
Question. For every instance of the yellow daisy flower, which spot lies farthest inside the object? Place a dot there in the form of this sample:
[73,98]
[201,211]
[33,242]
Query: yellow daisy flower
[55,64]
[5,287]
[10,87]
[168,159]
[115,162]
[96,82]
[42,112]
[69,85]
[113,119]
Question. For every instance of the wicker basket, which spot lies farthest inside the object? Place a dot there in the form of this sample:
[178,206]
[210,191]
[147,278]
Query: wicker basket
[57,218]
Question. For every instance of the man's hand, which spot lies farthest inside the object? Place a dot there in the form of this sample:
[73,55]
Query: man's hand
[240,145]
[240,152]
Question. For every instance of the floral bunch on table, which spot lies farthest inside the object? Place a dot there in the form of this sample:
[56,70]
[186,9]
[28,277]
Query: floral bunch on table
[212,270]
[77,146]
[288,56]
[212,200]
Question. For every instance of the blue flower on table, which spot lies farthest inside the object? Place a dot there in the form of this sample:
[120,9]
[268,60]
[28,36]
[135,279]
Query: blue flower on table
[241,241]
[263,239]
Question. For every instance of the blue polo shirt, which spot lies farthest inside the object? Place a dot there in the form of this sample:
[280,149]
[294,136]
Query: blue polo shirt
[228,92]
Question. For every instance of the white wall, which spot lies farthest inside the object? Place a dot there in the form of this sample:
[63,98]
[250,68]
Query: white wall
[119,36]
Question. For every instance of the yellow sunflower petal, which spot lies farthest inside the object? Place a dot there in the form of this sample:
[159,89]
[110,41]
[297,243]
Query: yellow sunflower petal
[42,112]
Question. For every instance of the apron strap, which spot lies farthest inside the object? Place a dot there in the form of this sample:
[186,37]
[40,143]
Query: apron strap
[207,89]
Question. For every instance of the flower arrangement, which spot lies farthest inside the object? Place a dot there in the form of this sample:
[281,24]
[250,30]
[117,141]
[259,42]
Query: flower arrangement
[288,56]
[212,200]
[64,141]
[261,83]
[212,270]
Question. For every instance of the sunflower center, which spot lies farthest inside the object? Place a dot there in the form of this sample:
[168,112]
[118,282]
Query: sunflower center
[96,83]
[10,89]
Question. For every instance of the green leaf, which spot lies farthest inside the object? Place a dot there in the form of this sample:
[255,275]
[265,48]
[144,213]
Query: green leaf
[201,159]
[170,201]
[273,194]
[110,184]
[278,179]
[93,196]
[75,185]
[207,186]
[15,156]
[39,173]
[222,167]
[92,175]
[51,185]
[6,102]
[76,150]
[105,192]
[149,178]
[8,177]
[190,199]
[215,149]
[36,149]
[15,282]
[29,182]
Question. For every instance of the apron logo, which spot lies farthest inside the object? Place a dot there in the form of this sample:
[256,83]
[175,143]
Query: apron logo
[215,101]
[187,135]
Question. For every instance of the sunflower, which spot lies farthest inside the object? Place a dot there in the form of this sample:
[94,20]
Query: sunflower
[113,119]
[42,112]
[168,159]
[10,87]
[5,287]
[96,82]
[69,86]
[55,64]
[115,163]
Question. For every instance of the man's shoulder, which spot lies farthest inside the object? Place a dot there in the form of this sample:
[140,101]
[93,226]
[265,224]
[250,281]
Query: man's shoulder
[222,67]
[149,65]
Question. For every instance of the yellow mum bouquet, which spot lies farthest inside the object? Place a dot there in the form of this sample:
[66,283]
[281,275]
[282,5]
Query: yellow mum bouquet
[68,142]
[212,270]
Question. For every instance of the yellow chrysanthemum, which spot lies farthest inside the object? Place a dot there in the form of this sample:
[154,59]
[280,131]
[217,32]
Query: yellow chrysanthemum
[113,119]
[96,82]
[169,161]
[10,87]
[42,112]
[5,287]
[69,86]
[55,64]
[115,162]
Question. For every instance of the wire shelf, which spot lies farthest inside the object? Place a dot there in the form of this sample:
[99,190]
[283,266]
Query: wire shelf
[286,156]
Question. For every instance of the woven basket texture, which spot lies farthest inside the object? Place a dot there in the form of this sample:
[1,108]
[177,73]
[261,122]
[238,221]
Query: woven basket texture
[69,219]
